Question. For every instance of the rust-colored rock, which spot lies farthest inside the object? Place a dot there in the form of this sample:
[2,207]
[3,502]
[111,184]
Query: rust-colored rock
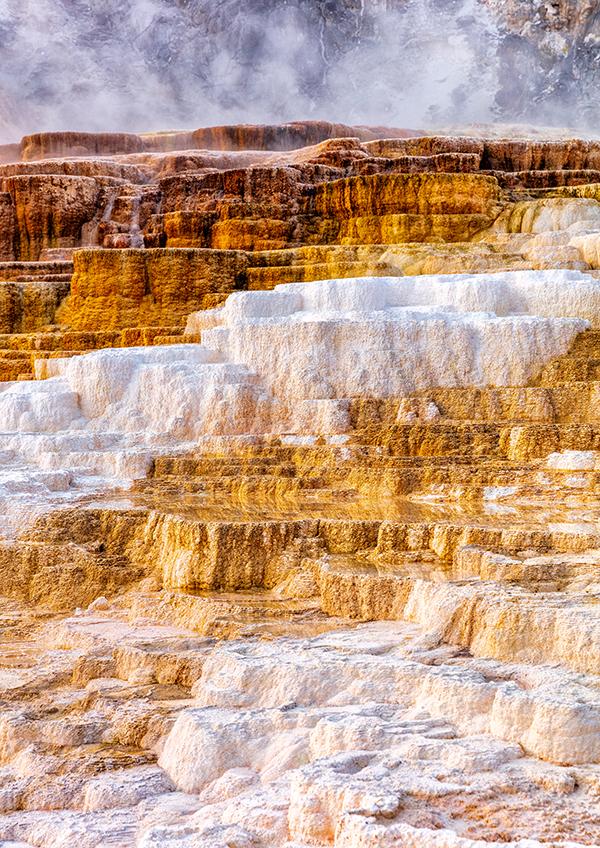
[53,144]
[285,136]
[49,211]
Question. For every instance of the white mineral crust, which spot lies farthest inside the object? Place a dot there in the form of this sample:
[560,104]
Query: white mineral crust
[285,361]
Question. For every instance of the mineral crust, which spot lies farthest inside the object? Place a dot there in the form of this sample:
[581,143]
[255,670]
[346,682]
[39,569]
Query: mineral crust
[299,480]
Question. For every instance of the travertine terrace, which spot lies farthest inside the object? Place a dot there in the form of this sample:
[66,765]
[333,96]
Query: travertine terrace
[299,474]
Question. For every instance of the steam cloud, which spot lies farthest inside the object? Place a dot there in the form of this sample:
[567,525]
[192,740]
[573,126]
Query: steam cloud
[152,64]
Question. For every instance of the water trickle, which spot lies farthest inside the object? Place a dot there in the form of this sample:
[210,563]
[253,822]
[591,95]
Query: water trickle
[90,231]
[135,233]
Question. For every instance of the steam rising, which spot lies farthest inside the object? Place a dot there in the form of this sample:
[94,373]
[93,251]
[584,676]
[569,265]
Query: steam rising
[148,64]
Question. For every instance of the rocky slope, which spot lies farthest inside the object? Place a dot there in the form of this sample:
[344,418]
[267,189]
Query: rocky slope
[299,473]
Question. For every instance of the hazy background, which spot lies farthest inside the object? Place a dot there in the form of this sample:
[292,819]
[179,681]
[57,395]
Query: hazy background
[157,64]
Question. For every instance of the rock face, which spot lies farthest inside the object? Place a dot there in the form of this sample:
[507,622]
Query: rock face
[299,473]
[429,61]
[289,136]
[559,38]
[49,145]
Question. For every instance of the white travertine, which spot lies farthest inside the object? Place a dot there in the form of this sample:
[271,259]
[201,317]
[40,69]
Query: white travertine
[287,361]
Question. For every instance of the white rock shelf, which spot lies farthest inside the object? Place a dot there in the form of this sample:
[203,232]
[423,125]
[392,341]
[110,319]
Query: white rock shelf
[284,361]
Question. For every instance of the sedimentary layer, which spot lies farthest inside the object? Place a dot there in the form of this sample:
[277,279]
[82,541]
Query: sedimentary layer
[299,490]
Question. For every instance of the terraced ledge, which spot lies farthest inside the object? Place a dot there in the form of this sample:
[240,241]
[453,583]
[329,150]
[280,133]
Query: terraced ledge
[299,477]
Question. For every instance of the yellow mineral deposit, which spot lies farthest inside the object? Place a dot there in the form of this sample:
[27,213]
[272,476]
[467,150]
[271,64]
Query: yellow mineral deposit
[300,478]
